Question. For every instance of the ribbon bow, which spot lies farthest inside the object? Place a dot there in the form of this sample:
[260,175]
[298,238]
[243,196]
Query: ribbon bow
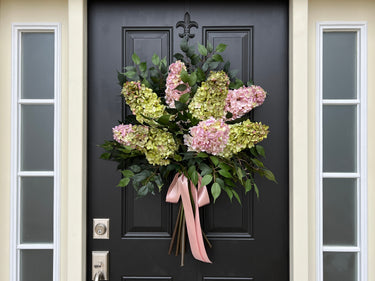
[180,188]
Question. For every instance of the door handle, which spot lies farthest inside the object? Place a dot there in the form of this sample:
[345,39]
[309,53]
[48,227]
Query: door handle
[98,276]
[100,264]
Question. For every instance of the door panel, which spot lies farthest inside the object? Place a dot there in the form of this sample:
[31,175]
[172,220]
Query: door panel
[250,242]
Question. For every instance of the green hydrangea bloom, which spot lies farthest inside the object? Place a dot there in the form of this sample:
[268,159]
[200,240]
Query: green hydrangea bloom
[244,135]
[142,101]
[159,147]
[209,100]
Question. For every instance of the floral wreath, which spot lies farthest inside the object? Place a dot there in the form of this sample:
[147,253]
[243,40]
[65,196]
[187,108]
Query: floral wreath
[190,120]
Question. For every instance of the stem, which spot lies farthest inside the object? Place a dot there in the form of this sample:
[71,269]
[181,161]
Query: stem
[174,231]
[183,241]
[179,232]
[208,241]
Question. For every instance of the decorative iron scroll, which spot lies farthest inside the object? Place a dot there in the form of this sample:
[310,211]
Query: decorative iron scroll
[187,25]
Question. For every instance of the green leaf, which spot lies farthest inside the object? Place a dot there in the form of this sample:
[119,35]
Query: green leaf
[123,182]
[193,174]
[127,173]
[229,192]
[184,98]
[130,68]
[143,191]
[164,61]
[239,174]
[237,196]
[221,48]
[210,48]
[214,64]
[205,66]
[195,59]
[229,115]
[269,175]
[220,181]
[184,45]
[205,169]
[121,78]
[200,75]
[105,156]
[184,76]
[137,178]
[181,87]
[233,73]
[143,66]
[215,191]
[146,83]
[136,59]
[164,120]
[256,190]
[135,168]
[155,59]
[257,162]
[260,150]
[226,66]
[206,180]
[192,79]
[218,58]
[224,166]
[254,152]
[225,173]
[248,186]
[179,56]
[130,74]
[179,105]
[159,182]
[214,160]
[202,50]
[202,155]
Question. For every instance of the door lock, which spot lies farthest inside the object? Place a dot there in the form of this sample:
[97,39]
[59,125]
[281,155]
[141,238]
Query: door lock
[101,228]
[100,260]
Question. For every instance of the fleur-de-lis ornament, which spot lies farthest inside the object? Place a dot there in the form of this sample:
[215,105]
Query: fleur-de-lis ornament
[187,25]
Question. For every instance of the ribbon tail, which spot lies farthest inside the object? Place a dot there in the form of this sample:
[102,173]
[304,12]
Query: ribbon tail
[198,227]
[180,188]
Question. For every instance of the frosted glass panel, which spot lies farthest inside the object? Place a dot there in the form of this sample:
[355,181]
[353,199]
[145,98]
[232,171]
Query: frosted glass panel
[340,138]
[36,265]
[36,210]
[339,65]
[340,266]
[37,137]
[340,212]
[37,78]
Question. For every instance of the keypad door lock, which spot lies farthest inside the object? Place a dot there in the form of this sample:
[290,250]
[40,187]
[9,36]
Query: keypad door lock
[101,228]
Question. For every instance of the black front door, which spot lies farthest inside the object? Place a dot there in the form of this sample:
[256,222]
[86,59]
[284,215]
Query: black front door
[250,242]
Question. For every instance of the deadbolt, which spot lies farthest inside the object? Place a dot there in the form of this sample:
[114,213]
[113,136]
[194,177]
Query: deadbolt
[101,228]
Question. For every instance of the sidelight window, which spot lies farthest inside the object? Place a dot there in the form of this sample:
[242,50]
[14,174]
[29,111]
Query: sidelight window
[35,152]
[341,158]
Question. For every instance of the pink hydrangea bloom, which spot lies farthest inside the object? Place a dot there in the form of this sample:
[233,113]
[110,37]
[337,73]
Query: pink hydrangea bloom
[174,80]
[120,132]
[244,99]
[210,136]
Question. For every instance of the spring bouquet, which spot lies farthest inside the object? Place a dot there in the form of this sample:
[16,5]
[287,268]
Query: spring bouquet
[190,129]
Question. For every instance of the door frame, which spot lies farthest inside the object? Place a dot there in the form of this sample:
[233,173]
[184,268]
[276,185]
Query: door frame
[75,238]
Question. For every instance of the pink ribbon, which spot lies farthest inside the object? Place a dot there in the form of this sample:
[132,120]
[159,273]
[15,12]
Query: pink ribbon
[180,188]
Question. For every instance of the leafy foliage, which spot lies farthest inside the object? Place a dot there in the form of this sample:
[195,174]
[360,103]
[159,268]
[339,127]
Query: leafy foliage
[216,172]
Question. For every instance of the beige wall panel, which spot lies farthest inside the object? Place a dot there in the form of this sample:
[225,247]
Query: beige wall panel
[343,10]
[25,11]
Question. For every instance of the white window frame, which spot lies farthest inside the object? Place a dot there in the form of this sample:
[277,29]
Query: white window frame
[16,173]
[361,175]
